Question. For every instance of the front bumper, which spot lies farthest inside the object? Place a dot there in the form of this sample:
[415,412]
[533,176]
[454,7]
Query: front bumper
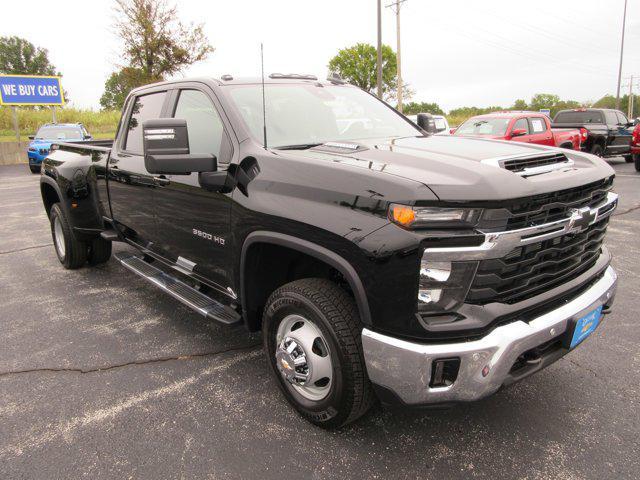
[404,368]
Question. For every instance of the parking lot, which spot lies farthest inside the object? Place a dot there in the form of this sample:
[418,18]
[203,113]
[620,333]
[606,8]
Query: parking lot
[103,376]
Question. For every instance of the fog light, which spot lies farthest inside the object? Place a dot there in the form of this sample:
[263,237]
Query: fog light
[444,372]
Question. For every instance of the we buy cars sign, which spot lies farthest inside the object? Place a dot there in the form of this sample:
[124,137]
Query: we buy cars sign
[18,90]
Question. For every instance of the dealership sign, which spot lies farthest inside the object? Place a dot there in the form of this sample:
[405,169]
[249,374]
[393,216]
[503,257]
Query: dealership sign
[16,90]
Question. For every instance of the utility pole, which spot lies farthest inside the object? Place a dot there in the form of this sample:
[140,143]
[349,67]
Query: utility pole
[397,5]
[379,61]
[624,21]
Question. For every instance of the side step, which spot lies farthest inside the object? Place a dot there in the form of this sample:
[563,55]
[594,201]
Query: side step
[110,235]
[191,297]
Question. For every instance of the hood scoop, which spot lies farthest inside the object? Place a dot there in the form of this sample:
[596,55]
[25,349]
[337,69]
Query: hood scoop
[529,165]
[340,147]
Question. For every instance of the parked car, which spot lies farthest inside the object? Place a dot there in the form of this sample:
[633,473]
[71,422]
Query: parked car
[607,131]
[635,145]
[47,134]
[376,260]
[435,124]
[528,127]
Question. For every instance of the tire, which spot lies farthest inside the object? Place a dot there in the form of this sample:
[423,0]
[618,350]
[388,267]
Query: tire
[34,168]
[99,251]
[71,252]
[597,150]
[628,158]
[318,309]
[636,161]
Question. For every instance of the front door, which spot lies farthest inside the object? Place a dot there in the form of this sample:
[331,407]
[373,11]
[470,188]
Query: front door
[131,187]
[521,124]
[193,224]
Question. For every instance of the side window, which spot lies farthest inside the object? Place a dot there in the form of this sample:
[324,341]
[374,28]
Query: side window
[203,122]
[538,125]
[611,117]
[521,123]
[622,120]
[145,107]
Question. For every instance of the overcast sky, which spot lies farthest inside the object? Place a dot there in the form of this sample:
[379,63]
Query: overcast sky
[455,53]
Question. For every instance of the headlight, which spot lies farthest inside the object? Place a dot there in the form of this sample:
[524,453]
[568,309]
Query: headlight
[443,286]
[423,217]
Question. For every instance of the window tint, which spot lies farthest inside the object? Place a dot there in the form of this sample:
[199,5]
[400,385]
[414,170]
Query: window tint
[621,118]
[538,125]
[579,117]
[611,117]
[144,108]
[203,122]
[521,123]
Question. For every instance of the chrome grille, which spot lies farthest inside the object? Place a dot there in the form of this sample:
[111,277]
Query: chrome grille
[534,268]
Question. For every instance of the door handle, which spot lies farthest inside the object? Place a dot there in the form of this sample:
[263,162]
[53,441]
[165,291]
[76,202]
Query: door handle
[161,180]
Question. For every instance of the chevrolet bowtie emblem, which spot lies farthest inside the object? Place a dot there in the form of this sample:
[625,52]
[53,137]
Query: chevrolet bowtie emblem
[581,218]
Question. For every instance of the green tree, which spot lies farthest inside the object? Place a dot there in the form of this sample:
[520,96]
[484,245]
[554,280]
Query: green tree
[19,56]
[119,84]
[357,65]
[543,100]
[155,41]
[413,108]
[520,105]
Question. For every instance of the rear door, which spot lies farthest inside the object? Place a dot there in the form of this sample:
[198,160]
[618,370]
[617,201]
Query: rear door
[131,187]
[193,223]
[540,131]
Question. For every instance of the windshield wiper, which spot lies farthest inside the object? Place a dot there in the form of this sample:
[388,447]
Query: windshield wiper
[302,146]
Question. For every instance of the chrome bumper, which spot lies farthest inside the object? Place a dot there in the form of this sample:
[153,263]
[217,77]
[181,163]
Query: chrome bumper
[405,367]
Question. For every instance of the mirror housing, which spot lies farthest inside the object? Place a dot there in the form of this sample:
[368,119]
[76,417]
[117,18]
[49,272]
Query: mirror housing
[518,132]
[31,137]
[426,122]
[166,149]
[452,131]
[88,137]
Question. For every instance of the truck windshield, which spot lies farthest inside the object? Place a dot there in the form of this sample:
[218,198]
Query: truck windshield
[483,126]
[59,133]
[309,114]
[579,117]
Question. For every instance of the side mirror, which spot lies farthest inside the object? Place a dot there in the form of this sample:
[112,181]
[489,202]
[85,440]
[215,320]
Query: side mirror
[452,130]
[518,132]
[88,137]
[425,122]
[166,149]
[31,137]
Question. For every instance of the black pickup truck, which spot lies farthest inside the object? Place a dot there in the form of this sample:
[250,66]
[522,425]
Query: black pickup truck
[379,262]
[607,133]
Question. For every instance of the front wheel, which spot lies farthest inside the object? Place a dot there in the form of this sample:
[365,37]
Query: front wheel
[628,158]
[71,252]
[311,334]
[636,161]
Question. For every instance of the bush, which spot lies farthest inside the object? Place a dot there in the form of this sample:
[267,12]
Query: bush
[99,123]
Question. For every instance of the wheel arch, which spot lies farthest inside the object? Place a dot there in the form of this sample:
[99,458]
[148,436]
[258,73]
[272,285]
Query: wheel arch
[303,247]
[50,194]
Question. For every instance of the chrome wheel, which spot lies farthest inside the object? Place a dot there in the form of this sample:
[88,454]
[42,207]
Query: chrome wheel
[58,237]
[303,358]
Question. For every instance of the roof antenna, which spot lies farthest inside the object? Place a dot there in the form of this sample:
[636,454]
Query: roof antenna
[264,108]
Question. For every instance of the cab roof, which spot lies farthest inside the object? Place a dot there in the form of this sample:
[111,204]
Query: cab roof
[510,114]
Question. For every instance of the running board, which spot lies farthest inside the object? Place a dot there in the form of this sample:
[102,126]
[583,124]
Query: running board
[191,297]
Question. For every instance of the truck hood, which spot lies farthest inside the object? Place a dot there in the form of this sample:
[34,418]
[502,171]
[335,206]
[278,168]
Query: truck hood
[464,168]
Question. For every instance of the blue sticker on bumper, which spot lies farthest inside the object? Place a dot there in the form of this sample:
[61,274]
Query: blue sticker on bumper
[585,326]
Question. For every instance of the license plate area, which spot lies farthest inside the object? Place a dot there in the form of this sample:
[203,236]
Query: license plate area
[579,329]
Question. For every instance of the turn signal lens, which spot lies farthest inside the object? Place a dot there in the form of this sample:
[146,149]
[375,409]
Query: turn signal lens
[433,217]
[403,215]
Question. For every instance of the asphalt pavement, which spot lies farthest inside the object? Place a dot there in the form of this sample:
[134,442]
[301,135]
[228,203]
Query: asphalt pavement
[103,376]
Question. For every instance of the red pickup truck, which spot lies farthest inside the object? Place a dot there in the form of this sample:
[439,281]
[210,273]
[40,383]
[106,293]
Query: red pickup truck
[635,147]
[528,127]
